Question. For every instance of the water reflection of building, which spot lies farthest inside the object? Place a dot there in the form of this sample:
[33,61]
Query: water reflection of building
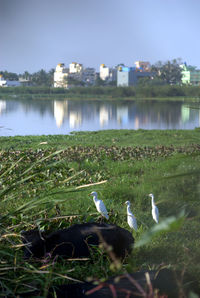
[136,122]
[71,115]
[60,110]
[2,106]
[107,113]
[185,113]
[75,119]
[122,114]
[103,115]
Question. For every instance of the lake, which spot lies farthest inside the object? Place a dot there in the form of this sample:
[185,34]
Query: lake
[43,117]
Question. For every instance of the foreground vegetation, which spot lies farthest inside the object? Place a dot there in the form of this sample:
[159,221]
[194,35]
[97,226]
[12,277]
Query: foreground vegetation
[45,181]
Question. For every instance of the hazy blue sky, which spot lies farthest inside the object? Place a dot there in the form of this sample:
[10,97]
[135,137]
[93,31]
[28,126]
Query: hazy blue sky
[37,34]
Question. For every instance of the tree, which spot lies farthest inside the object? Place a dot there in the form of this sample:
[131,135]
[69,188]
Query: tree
[9,75]
[73,82]
[112,83]
[169,72]
[99,82]
[42,78]
[26,75]
[120,64]
[149,81]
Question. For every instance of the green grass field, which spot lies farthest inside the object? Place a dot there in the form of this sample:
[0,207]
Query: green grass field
[121,138]
[41,172]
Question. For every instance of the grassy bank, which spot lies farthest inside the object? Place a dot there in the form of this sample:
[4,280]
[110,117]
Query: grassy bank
[60,97]
[119,138]
[36,179]
[170,92]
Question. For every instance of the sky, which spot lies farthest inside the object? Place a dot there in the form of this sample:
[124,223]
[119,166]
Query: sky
[39,34]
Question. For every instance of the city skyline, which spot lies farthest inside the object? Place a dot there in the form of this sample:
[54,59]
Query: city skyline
[40,34]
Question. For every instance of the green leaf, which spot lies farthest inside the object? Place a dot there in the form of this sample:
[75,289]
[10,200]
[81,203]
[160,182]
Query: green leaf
[169,224]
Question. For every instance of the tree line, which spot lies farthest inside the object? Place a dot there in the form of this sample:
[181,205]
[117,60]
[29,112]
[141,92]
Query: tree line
[39,78]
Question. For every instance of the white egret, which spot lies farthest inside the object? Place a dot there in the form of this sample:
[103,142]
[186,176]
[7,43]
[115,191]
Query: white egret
[101,208]
[155,212]
[132,222]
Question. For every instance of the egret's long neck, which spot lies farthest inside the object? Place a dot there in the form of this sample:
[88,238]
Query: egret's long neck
[152,201]
[95,199]
[128,209]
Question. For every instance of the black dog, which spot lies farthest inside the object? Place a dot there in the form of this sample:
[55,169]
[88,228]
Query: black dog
[75,242]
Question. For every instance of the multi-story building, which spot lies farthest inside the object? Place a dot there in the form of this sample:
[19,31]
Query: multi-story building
[113,74]
[104,72]
[60,76]
[143,66]
[8,83]
[75,67]
[107,74]
[129,76]
[89,76]
[190,75]
[78,75]
[66,78]
[125,76]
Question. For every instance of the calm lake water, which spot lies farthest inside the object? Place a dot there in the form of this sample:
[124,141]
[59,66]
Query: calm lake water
[38,117]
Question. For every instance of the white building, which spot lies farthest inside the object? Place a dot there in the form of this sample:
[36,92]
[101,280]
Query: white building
[2,81]
[75,67]
[7,83]
[60,75]
[107,74]
[75,72]
[104,72]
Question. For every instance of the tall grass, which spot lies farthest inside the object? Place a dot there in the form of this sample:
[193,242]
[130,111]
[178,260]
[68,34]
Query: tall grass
[28,199]
[34,183]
